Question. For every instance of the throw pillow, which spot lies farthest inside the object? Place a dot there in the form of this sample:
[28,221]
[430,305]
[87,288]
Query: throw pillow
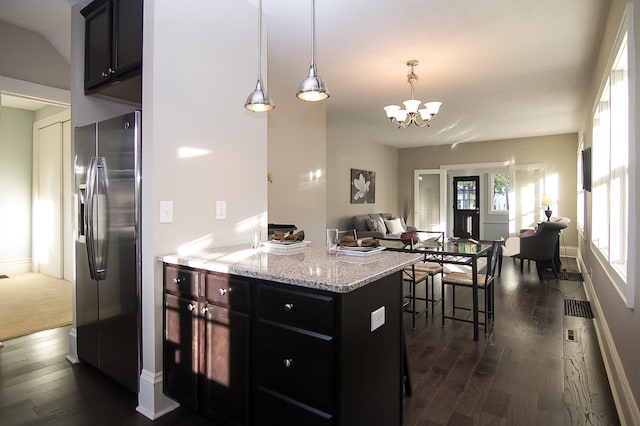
[394,226]
[373,225]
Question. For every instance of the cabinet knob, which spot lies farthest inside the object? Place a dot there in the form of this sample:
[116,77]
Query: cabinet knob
[288,307]
[190,307]
[204,310]
[112,71]
[176,281]
[288,362]
[222,291]
[104,74]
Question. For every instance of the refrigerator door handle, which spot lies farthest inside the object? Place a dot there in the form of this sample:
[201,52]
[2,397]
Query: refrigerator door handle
[96,218]
[88,216]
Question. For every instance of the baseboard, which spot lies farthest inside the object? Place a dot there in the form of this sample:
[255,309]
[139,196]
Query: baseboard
[15,266]
[568,251]
[626,405]
[152,403]
[72,357]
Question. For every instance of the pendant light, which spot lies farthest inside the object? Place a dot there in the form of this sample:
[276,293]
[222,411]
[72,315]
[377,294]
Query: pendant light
[312,88]
[258,100]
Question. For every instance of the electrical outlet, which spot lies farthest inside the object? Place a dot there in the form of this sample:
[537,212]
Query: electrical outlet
[377,318]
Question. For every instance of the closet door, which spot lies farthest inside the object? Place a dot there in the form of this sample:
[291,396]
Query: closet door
[48,249]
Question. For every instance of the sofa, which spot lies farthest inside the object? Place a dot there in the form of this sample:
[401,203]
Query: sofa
[377,225]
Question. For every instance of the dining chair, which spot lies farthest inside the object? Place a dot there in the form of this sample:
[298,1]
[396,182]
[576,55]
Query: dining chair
[485,282]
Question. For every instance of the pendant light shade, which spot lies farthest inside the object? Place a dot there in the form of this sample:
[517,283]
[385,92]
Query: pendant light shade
[259,100]
[312,88]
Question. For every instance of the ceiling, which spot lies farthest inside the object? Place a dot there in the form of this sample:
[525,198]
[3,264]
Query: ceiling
[502,68]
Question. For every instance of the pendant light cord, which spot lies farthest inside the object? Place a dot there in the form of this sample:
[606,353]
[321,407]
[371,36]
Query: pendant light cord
[313,32]
[260,40]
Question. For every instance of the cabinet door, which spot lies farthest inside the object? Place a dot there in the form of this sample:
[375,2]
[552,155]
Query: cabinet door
[271,408]
[181,349]
[296,364]
[127,36]
[97,50]
[224,366]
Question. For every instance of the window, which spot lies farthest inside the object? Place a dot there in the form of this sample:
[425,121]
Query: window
[610,171]
[499,192]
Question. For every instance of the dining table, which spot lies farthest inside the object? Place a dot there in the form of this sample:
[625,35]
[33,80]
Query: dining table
[450,251]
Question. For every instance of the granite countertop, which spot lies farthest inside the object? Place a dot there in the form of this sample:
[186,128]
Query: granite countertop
[308,266]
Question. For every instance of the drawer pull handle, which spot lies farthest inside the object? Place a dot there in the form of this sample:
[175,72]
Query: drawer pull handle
[288,307]
[222,291]
[288,362]
[177,281]
[190,307]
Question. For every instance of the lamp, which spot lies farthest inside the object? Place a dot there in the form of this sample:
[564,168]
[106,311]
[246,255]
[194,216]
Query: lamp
[411,114]
[258,100]
[312,88]
[547,201]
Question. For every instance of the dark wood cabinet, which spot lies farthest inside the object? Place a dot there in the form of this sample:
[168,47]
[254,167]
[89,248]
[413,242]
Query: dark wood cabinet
[316,357]
[261,353]
[113,49]
[224,348]
[207,343]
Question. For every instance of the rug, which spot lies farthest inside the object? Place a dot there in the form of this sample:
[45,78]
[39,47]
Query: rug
[33,302]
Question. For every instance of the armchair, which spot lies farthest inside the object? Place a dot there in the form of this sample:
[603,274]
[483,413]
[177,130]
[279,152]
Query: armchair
[541,245]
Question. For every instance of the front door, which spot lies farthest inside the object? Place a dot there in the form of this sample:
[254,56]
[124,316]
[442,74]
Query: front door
[466,208]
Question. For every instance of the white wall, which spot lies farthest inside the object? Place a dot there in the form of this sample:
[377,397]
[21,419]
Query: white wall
[616,324]
[28,56]
[16,135]
[297,150]
[199,145]
[347,151]
[557,153]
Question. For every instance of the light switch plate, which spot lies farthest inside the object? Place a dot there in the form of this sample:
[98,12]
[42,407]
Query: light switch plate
[166,211]
[377,318]
[221,210]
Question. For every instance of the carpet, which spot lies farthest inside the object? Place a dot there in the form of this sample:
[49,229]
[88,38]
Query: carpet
[33,302]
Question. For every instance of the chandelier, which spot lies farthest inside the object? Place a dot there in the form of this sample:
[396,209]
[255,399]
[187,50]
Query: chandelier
[411,114]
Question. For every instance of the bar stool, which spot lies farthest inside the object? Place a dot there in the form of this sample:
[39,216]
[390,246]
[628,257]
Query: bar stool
[414,275]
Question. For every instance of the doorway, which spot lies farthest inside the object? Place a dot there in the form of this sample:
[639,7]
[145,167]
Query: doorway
[466,207]
[36,142]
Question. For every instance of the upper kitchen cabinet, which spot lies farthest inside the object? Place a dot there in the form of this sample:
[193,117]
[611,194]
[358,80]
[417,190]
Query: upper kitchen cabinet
[113,50]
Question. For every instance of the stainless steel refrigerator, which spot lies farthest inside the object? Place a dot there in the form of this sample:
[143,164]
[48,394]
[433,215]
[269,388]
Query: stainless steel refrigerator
[107,184]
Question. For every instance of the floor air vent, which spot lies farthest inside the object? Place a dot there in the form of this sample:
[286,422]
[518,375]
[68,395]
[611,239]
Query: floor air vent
[570,276]
[577,308]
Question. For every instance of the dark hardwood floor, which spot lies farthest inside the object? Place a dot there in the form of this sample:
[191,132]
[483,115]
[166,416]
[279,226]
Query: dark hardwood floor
[526,372]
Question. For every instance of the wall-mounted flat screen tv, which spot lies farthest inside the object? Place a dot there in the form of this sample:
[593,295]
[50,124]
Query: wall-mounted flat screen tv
[586,169]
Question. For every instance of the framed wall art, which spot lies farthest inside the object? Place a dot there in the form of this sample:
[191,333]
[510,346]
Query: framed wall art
[363,187]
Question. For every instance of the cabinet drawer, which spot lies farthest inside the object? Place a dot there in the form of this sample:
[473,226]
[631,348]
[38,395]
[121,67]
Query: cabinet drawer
[307,310]
[273,409]
[227,290]
[296,364]
[181,280]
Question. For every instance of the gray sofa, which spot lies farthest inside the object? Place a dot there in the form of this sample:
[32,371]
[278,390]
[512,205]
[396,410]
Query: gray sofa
[359,223]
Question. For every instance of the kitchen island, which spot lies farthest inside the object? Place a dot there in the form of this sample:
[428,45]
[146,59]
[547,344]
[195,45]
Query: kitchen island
[285,336]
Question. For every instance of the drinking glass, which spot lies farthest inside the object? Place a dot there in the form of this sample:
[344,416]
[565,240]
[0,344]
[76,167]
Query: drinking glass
[332,241]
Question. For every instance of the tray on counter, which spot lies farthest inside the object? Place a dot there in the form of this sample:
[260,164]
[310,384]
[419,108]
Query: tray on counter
[359,251]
